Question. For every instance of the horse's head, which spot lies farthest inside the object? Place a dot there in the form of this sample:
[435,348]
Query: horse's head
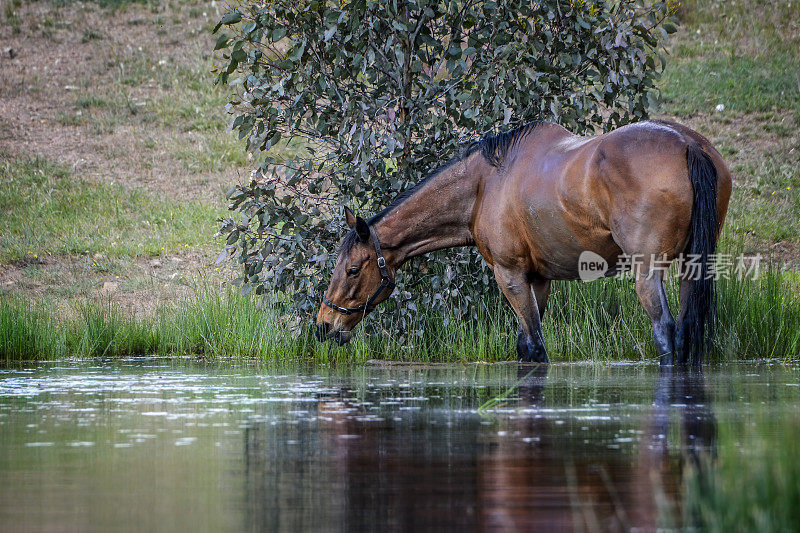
[360,281]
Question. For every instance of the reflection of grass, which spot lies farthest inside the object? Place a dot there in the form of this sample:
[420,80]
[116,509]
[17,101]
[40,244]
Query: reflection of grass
[499,400]
[47,211]
[599,321]
[755,483]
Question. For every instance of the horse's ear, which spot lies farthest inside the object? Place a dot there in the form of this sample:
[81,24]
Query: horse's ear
[349,217]
[358,224]
[362,229]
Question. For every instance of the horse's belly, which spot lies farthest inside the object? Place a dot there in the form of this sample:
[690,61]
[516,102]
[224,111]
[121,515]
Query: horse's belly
[560,253]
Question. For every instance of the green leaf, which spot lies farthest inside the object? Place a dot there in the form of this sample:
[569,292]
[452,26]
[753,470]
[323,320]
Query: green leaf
[231,17]
[222,42]
[297,51]
[278,34]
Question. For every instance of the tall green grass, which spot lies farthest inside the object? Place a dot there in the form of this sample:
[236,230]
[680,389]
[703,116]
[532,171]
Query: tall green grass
[599,321]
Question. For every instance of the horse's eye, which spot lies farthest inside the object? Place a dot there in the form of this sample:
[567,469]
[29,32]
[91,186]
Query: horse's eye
[352,271]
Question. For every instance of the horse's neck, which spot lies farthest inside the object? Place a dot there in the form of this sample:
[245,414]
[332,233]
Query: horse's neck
[436,216]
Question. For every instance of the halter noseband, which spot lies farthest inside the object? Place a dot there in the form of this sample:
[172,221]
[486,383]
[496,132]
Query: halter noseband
[386,283]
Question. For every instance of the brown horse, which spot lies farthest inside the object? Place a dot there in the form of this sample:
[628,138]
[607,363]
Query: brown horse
[536,198]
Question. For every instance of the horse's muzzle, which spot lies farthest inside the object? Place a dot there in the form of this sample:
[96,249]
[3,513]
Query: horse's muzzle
[323,333]
[342,337]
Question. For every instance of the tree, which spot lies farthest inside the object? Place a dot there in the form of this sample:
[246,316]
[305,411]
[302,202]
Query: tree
[354,102]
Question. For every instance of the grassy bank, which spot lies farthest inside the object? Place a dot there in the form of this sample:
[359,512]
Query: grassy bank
[600,321]
[113,163]
[48,212]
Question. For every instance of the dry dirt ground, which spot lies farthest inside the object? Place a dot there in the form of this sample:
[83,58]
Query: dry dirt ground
[118,96]
[64,57]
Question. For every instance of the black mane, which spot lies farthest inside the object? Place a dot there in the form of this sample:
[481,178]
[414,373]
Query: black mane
[493,148]
[349,241]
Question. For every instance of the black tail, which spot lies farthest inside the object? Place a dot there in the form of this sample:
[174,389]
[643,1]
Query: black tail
[697,326]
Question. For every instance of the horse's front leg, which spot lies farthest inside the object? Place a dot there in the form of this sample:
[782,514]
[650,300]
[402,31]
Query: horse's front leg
[521,296]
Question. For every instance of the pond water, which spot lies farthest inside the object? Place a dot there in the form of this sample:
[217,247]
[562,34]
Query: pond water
[154,444]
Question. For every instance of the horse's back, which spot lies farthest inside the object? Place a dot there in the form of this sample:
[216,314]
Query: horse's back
[626,191]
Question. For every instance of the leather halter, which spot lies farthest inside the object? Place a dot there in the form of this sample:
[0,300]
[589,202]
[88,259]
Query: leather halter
[386,283]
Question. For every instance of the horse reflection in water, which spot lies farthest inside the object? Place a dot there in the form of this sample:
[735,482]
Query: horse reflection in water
[562,485]
[518,468]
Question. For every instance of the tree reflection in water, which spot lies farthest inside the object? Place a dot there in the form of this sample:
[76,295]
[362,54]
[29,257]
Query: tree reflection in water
[350,465]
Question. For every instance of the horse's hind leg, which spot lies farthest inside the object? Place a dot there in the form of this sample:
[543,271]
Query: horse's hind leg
[521,296]
[541,291]
[653,297]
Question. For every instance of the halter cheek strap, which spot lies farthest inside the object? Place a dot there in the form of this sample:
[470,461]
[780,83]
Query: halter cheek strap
[386,283]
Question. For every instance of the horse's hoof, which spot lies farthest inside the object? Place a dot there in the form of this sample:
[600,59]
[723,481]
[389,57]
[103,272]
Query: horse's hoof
[534,358]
